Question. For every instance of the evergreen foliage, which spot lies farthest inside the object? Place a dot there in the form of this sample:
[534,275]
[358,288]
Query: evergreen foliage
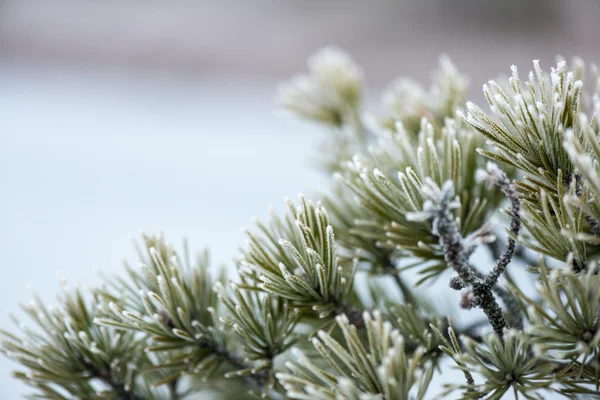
[310,312]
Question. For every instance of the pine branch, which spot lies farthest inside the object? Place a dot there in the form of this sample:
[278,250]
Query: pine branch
[69,352]
[379,369]
[499,178]
[173,394]
[410,188]
[244,369]
[295,258]
[353,314]
[407,293]
[456,252]
[387,185]
[390,269]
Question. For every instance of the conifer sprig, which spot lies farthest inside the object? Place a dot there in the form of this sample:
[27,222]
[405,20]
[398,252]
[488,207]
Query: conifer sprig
[439,156]
[296,260]
[506,365]
[178,311]
[411,197]
[565,326]
[380,369]
[66,355]
[540,129]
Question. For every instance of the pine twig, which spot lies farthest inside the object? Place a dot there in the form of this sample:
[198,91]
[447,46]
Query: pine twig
[499,178]
[438,208]
[238,363]
[354,315]
[390,269]
[173,394]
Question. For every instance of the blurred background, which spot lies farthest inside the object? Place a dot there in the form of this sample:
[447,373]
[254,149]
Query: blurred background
[117,116]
